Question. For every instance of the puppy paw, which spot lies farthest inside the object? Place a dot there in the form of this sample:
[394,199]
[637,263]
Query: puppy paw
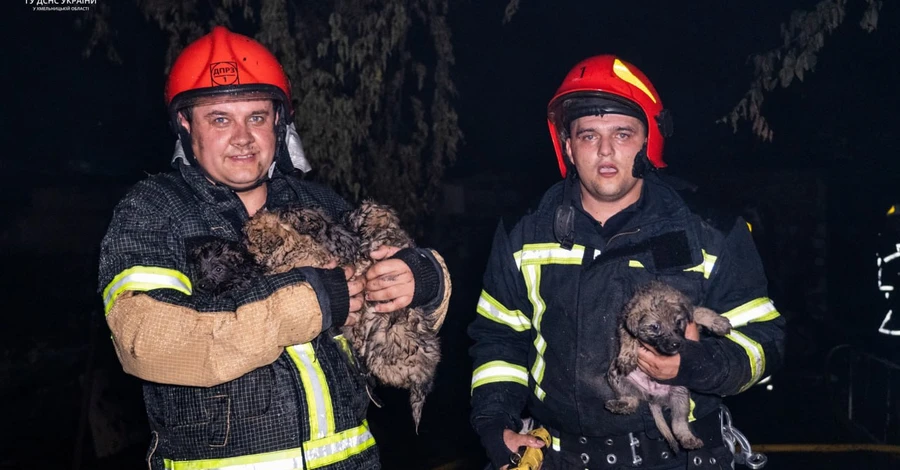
[622,406]
[720,325]
[690,442]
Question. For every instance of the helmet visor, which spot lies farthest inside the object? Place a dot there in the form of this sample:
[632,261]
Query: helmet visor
[579,105]
[226,94]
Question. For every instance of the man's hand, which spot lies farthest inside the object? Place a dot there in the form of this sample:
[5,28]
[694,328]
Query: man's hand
[514,441]
[662,367]
[389,281]
[355,288]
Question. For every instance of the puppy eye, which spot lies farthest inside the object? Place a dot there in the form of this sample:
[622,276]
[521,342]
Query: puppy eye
[219,269]
[654,327]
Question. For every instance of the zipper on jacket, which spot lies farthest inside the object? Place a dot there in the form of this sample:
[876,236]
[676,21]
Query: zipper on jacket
[635,231]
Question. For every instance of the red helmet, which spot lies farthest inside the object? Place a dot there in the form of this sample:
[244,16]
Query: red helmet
[605,84]
[222,63]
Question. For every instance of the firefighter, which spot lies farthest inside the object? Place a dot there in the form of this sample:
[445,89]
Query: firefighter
[246,380]
[557,280]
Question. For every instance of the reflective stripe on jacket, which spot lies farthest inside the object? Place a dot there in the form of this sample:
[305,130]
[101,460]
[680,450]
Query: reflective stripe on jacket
[304,410]
[545,331]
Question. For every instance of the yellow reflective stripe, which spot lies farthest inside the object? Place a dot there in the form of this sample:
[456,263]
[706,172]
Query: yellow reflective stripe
[754,352]
[691,417]
[144,278]
[633,263]
[756,310]
[491,309]
[279,460]
[532,274]
[706,267]
[554,443]
[499,371]
[344,343]
[341,446]
[539,392]
[548,253]
[621,71]
[318,453]
[318,397]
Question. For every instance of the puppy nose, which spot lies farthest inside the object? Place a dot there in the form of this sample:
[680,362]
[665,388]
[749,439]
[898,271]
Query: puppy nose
[676,345]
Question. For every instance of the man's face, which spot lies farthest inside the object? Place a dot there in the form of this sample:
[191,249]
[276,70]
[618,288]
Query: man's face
[234,141]
[603,148]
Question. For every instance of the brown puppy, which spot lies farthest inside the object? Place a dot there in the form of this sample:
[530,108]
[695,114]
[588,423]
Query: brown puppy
[399,348]
[657,315]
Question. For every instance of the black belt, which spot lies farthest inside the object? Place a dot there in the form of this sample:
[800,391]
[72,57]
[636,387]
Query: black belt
[638,450]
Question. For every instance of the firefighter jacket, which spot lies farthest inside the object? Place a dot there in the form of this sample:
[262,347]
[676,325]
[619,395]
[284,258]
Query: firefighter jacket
[546,328]
[243,380]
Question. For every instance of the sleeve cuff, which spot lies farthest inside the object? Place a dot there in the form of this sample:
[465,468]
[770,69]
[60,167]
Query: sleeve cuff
[701,368]
[337,306]
[491,434]
[425,273]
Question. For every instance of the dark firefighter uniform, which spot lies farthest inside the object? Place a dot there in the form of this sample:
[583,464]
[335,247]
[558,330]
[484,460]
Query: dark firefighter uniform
[257,379]
[545,332]
[302,406]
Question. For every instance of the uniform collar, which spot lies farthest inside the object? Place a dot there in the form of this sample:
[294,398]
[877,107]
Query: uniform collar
[615,223]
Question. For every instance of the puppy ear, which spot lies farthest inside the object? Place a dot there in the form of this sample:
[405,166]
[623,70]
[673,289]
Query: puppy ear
[632,319]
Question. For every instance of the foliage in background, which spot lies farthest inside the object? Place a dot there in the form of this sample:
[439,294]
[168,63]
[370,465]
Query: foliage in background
[802,39]
[370,82]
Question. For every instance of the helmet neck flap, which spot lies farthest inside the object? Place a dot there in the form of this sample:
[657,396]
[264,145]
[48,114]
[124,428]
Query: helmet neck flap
[227,66]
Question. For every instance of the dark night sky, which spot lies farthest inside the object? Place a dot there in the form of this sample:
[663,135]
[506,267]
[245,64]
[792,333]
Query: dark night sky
[88,115]
[695,53]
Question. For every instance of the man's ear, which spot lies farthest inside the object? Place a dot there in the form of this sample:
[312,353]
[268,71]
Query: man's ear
[567,148]
[182,121]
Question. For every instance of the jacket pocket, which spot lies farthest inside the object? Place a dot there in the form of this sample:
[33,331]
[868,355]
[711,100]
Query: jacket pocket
[196,414]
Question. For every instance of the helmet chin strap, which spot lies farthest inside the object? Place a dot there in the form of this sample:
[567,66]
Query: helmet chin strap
[641,164]
[564,218]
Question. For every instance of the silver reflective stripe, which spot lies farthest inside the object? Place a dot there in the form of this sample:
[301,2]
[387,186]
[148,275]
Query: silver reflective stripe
[532,276]
[754,353]
[548,253]
[321,417]
[499,371]
[341,446]
[291,459]
[706,267]
[317,453]
[492,309]
[757,310]
[554,443]
[144,278]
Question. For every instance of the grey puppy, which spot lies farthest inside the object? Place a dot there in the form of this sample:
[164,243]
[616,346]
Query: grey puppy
[657,315]
[399,348]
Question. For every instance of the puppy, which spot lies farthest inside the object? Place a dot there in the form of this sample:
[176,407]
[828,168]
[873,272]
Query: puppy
[657,315]
[219,266]
[398,348]
[296,237]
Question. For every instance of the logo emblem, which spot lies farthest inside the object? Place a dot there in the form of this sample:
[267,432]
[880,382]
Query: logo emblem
[224,73]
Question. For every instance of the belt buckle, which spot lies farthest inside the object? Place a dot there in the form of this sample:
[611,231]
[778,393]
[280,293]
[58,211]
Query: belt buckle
[634,443]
